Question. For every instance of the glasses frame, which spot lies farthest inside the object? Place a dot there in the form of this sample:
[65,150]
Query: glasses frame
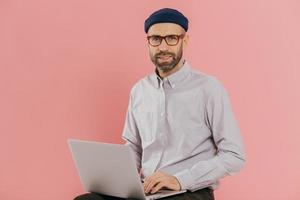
[164,38]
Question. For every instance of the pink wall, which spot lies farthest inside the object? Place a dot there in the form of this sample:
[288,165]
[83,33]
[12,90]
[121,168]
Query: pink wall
[66,68]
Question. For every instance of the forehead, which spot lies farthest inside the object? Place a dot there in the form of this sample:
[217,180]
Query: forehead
[165,29]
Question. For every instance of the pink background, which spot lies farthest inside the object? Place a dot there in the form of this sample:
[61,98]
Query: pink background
[66,68]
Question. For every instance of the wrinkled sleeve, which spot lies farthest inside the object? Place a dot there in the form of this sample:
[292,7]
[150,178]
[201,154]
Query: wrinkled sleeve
[131,134]
[230,157]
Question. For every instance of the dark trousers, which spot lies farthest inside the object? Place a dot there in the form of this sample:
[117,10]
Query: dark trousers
[202,194]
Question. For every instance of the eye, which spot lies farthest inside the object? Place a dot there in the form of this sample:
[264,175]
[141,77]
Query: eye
[155,38]
[172,37]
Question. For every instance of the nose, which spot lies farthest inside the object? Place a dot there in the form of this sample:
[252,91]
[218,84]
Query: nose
[163,46]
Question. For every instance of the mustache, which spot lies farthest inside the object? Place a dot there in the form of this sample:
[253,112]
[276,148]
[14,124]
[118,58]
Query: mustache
[164,54]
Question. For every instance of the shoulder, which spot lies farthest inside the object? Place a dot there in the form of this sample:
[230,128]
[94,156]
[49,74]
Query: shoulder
[142,85]
[210,83]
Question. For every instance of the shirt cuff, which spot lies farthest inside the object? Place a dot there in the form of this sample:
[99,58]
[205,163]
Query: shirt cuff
[185,179]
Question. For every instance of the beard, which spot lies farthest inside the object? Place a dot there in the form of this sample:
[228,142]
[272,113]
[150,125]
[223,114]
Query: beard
[169,64]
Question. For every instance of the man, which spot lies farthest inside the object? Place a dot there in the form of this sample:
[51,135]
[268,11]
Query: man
[179,121]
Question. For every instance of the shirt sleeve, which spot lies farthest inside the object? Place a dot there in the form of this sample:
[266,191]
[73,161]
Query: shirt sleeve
[230,157]
[131,135]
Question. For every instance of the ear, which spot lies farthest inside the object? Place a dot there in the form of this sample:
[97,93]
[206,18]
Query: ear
[185,40]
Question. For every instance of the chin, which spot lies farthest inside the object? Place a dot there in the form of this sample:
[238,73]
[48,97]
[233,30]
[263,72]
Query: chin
[166,68]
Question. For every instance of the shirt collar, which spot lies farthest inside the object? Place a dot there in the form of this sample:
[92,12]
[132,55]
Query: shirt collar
[174,79]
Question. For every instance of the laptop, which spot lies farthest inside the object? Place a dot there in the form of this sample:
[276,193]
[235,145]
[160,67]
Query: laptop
[110,169]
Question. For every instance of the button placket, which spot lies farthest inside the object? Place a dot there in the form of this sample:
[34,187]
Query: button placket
[162,113]
[162,103]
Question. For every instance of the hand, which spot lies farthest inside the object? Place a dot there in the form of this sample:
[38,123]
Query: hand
[158,180]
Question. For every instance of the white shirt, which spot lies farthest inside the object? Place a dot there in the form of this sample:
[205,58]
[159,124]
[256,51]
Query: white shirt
[183,125]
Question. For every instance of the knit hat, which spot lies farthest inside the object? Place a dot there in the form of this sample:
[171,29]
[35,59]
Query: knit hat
[166,15]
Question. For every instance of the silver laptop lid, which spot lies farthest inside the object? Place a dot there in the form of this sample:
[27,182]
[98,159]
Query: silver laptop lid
[106,168]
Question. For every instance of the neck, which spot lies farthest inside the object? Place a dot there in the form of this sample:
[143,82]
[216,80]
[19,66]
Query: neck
[175,69]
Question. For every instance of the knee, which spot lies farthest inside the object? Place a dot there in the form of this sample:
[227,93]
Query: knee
[87,196]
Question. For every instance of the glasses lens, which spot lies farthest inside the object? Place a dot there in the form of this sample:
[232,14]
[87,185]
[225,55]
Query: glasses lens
[172,39]
[155,40]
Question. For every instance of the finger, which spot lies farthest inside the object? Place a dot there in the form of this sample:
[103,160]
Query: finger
[152,183]
[148,180]
[146,183]
[157,187]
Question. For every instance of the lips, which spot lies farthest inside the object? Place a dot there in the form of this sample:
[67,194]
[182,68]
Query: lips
[164,57]
[159,56]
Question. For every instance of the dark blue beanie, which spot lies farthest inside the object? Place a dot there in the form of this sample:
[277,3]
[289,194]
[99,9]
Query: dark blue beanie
[166,15]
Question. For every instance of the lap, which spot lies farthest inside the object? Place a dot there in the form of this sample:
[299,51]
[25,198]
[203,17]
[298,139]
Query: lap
[202,194]
[96,196]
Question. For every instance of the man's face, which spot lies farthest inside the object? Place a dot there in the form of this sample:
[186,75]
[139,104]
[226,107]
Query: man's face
[164,56]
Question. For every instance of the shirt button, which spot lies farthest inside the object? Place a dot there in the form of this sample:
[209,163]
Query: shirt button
[162,114]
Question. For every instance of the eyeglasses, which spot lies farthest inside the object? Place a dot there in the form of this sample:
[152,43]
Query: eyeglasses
[171,40]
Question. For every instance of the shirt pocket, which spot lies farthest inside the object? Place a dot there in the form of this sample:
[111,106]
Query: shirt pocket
[145,122]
